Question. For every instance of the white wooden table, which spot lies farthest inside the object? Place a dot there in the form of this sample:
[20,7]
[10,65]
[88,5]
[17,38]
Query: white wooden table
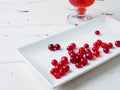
[25,21]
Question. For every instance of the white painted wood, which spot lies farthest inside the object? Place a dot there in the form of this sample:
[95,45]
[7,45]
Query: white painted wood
[25,21]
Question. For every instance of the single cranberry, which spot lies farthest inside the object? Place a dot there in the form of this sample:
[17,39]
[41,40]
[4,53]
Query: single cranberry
[94,49]
[79,65]
[57,46]
[72,54]
[61,63]
[66,68]
[73,45]
[73,60]
[96,53]
[62,71]
[69,48]
[97,32]
[51,47]
[88,50]
[99,42]
[117,43]
[53,70]
[84,61]
[89,55]
[80,54]
[96,44]
[64,59]
[106,50]
[110,45]
[54,62]
[57,75]
[86,45]
[77,58]
[82,50]
[58,67]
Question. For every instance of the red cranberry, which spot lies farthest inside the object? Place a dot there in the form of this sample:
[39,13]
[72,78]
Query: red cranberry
[110,45]
[86,45]
[94,48]
[99,42]
[51,47]
[79,65]
[117,43]
[57,75]
[106,50]
[80,54]
[97,32]
[58,67]
[54,62]
[73,45]
[66,68]
[89,55]
[69,48]
[95,44]
[57,47]
[64,59]
[72,54]
[62,71]
[72,60]
[82,50]
[61,63]
[84,61]
[53,70]
[96,53]
[104,45]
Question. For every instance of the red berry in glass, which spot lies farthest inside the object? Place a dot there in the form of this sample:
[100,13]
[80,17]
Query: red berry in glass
[81,5]
[117,43]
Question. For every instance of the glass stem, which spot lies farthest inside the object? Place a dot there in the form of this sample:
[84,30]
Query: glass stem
[81,12]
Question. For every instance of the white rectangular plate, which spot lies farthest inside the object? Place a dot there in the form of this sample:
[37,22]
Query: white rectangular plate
[39,57]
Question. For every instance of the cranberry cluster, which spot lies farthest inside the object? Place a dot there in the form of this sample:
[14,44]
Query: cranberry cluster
[79,56]
[60,68]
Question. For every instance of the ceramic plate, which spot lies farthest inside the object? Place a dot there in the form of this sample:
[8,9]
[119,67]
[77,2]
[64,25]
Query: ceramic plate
[39,57]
